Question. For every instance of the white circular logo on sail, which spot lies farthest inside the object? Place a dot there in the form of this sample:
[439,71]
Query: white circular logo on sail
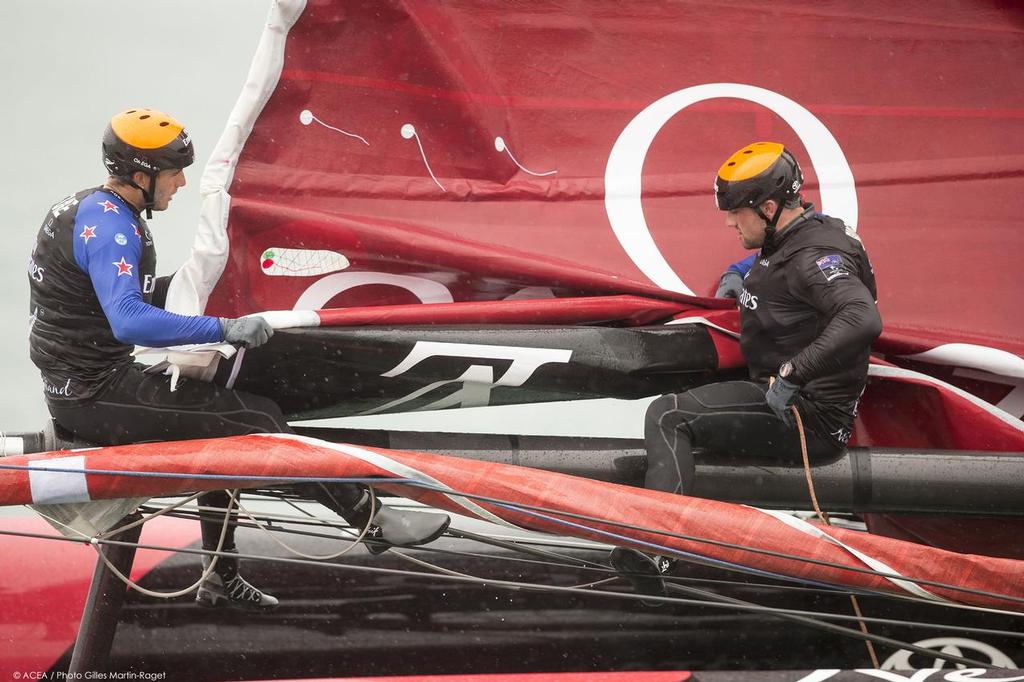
[626,161]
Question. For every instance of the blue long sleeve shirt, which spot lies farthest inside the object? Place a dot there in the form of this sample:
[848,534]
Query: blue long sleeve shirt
[92,278]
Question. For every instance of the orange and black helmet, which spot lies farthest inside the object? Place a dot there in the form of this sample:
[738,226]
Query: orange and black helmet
[757,173]
[145,140]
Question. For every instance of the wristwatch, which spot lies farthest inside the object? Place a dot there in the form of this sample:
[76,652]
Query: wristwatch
[786,370]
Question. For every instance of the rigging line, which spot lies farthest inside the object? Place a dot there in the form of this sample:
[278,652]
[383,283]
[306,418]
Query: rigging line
[276,522]
[721,563]
[674,580]
[99,540]
[833,592]
[517,585]
[516,506]
[433,567]
[858,617]
[160,511]
[446,490]
[835,588]
[299,509]
[346,529]
[762,586]
[366,480]
[845,591]
[310,519]
[577,563]
[307,518]
[824,518]
[513,546]
[742,606]
[729,545]
[893,622]
[830,627]
[320,557]
[829,588]
[538,586]
[505,544]
[535,539]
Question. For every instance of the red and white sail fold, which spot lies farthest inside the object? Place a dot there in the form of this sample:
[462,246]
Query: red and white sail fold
[440,481]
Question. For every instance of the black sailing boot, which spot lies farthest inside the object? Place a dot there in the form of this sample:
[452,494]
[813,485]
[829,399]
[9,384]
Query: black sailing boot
[391,527]
[224,587]
[643,571]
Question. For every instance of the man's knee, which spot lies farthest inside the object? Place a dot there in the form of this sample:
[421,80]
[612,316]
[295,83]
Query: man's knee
[668,416]
[660,406]
[263,413]
[673,408]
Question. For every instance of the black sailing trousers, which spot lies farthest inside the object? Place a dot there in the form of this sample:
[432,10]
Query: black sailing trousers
[140,408]
[730,417]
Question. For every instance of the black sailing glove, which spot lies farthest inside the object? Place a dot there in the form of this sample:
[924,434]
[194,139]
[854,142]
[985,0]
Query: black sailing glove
[248,332]
[730,285]
[781,394]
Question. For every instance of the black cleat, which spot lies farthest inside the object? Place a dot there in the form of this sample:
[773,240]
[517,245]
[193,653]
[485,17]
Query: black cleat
[643,571]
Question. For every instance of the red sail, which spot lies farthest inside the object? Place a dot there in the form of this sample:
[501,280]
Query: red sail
[399,153]
[533,148]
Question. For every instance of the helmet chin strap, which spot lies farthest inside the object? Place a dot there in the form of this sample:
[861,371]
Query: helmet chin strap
[147,195]
[150,197]
[769,230]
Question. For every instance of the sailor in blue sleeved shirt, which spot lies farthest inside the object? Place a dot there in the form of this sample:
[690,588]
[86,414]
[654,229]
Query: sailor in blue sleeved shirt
[92,280]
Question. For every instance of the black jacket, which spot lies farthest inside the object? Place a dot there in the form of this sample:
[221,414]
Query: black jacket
[811,301]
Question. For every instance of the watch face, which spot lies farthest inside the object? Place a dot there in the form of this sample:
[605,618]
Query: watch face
[786,369]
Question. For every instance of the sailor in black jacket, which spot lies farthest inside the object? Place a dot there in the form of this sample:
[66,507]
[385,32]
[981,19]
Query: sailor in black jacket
[808,318]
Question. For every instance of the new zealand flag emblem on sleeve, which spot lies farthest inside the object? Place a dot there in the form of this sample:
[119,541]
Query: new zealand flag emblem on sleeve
[832,267]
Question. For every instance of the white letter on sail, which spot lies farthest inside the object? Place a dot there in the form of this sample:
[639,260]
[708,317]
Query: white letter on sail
[623,180]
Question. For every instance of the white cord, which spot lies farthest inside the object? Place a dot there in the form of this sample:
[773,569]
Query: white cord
[306,117]
[317,557]
[501,146]
[202,578]
[409,132]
